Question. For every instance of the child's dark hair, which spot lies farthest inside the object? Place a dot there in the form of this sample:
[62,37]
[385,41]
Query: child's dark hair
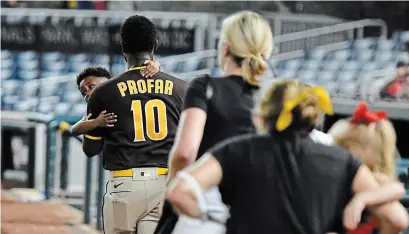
[138,34]
[270,103]
[93,71]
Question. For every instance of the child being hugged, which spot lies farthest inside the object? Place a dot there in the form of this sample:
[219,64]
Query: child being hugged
[90,78]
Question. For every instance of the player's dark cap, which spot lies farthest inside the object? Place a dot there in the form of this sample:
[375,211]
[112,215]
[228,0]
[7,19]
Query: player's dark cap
[138,34]
[93,71]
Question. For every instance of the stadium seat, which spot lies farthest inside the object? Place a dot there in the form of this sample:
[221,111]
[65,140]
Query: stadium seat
[118,69]
[45,107]
[72,96]
[7,63]
[385,45]
[369,67]
[287,73]
[6,74]
[346,76]
[325,77]
[100,59]
[293,64]
[49,89]
[62,109]
[191,65]
[79,110]
[317,54]
[10,87]
[78,66]
[307,76]
[331,65]
[364,55]
[341,55]
[382,57]
[403,36]
[79,58]
[28,65]
[331,87]
[366,43]
[27,74]
[217,72]
[348,89]
[52,56]
[25,56]
[27,105]
[5,54]
[351,66]
[28,91]
[54,66]
[311,64]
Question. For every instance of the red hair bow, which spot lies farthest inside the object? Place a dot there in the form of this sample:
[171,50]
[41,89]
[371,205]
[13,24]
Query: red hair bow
[362,114]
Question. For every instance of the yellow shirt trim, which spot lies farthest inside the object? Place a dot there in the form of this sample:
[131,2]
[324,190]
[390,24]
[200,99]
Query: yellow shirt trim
[137,68]
[92,137]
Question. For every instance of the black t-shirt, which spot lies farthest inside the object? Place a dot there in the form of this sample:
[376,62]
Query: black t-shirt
[284,184]
[148,111]
[228,103]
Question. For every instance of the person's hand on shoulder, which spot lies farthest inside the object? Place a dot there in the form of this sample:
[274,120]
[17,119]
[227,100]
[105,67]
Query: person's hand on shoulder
[106,119]
[152,68]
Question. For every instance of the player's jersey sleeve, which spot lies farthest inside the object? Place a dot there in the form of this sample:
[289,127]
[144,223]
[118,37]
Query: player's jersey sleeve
[94,108]
[196,94]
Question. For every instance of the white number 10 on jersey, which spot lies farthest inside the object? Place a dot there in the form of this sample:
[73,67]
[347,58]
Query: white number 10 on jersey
[149,120]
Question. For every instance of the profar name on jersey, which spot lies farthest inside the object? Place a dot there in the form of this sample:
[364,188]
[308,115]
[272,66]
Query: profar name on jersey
[141,86]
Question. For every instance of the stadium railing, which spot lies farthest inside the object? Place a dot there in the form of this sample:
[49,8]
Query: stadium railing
[50,141]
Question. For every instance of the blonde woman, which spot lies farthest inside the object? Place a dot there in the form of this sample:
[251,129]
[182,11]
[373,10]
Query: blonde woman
[280,180]
[219,108]
[370,137]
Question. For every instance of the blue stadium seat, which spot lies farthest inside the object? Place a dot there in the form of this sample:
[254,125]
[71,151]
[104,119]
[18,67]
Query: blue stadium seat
[54,66]
[103,65]
[351,66]
[7,63]
[118,69]
[346,76]
[79,58]
[48,90]
[27,74]
[191,65]
[78,66]
[384,57]
[217,72]
[9,102]
[331,65]
[331,87]
[72,96]
[5,54]
[307,76]
[45,107]
[10,87]
[311,65]
[28,64]
[52,57]
[349,89]
[6,74]
[25,56]
[100,59]
[385,45]
[46,74]
[287,73]
[62,109]
[366,43]
[293,64]
[364,55]
[27,105]
[325,77]
[79,109]
[28,91]
[341,55]
[403,36]
[317,54]
[370,67]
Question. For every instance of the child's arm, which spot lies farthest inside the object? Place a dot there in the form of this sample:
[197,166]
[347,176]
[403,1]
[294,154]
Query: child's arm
[84,125]
[389,190]
[152,67]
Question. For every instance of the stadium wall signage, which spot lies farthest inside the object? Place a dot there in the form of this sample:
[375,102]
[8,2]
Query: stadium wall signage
[86,39]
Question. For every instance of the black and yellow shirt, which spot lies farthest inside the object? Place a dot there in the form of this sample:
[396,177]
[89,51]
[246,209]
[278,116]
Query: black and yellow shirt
[148,112]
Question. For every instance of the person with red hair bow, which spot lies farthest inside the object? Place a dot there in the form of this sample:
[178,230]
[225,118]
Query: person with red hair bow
[371,138]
